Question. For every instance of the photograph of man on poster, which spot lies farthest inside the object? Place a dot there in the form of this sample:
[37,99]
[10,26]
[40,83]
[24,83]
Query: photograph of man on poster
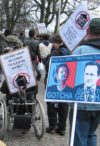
[89,91]
[60,75]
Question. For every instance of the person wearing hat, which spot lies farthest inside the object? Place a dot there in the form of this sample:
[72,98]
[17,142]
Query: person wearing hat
[88,115]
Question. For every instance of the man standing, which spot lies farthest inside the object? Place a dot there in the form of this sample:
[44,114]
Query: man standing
[57,112]
[61,109]
[32,43]
[88,115]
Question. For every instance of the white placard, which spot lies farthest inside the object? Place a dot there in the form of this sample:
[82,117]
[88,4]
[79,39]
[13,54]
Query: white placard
[74,30]
[41,28]
[17,63]
[27,32]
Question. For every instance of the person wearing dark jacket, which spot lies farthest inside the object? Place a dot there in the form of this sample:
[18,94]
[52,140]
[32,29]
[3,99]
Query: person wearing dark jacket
[32,43]
[58,49]
[88,115]
[3,44]
[57,112]
[12,40]
[22,37]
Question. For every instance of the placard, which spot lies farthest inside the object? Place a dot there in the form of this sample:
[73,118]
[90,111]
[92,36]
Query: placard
[74,29]
[17,63]
[74,79]
[41,28]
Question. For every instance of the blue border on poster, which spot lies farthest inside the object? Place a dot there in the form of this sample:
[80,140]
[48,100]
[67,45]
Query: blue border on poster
[70,96]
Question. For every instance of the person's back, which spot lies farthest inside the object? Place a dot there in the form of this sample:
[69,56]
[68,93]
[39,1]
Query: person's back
[45,49]
[22,37]
[32,43]
[12,40]
[45,46]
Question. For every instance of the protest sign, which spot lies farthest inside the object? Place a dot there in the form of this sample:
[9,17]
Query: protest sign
[68,79]
[74,29]
[41,28]
[26,32]
[17,63]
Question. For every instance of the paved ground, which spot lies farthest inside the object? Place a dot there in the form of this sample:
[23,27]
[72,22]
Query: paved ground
[18,139]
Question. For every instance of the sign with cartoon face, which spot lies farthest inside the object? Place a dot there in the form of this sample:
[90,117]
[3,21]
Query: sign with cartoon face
[74,79]
[75,28]
[17,65]
[82,20]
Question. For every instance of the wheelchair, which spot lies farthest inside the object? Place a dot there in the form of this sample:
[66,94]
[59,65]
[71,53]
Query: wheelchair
[22,111]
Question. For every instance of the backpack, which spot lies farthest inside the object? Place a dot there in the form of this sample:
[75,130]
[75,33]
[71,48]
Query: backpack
[13,42]
[45,49]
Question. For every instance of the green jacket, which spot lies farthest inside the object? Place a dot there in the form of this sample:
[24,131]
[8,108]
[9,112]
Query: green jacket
[12,40]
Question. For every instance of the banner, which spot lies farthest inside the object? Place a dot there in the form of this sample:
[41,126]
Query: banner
[17,63]
[74,79]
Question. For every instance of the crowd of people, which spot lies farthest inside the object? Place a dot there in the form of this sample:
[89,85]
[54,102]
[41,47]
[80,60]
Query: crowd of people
[42,48]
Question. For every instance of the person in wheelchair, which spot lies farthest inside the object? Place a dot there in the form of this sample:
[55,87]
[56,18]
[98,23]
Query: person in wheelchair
[19,106]
[21,82]
[23,110]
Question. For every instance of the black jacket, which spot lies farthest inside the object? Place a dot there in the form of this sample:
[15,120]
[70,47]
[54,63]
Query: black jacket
[55,52]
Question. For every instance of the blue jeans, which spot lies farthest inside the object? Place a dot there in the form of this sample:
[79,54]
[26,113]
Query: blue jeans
[86,125]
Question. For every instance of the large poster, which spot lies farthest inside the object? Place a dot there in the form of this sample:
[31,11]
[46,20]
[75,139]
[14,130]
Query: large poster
[16,64]
[74,79]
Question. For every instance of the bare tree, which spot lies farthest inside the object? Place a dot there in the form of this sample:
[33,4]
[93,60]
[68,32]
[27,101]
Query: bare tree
[14,10]
[30,12]
[46,11]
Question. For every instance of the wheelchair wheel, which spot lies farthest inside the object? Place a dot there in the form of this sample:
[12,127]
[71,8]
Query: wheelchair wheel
[3,118]
[38,119]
